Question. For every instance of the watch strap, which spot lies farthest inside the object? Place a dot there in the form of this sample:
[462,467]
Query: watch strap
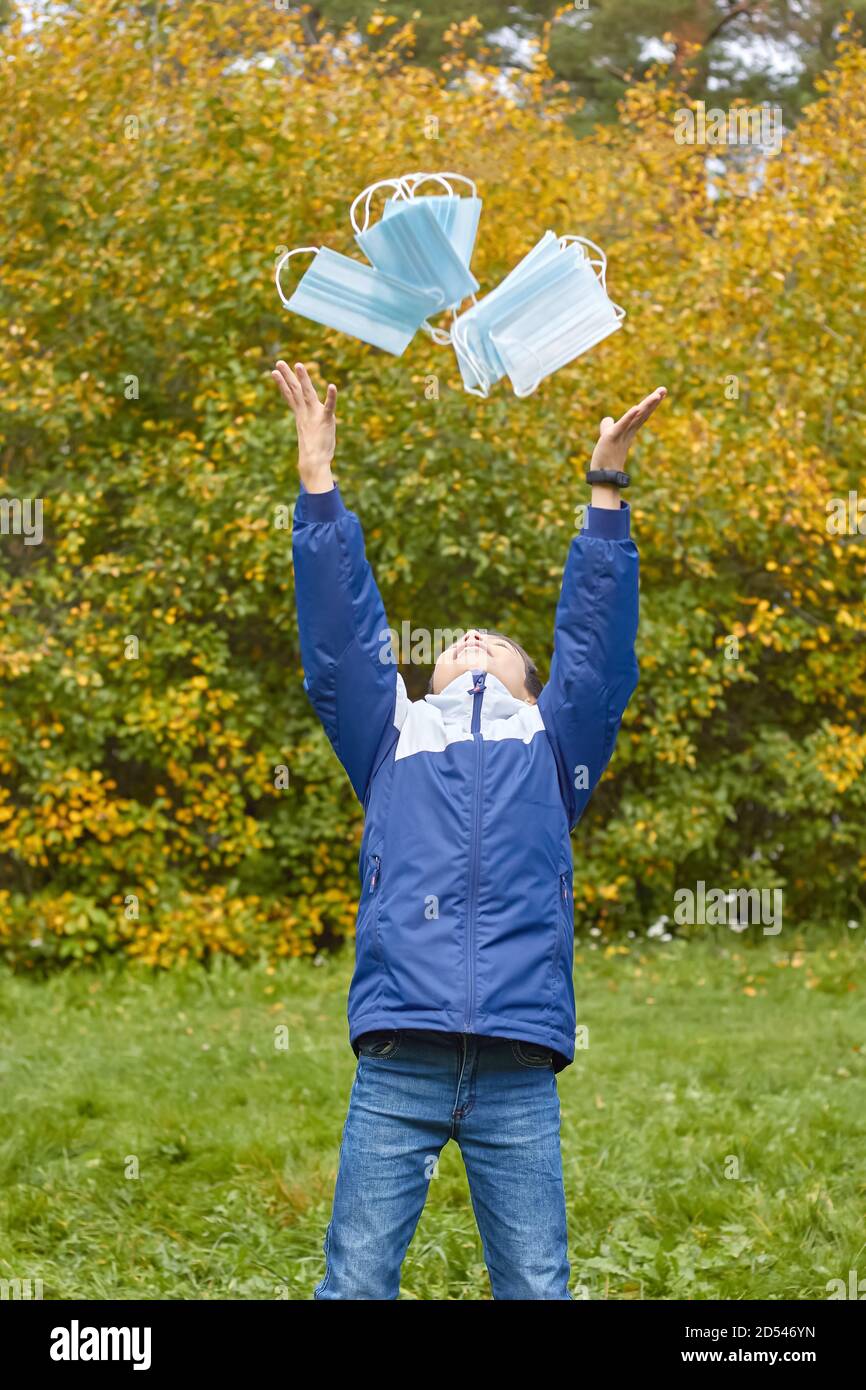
[610,477]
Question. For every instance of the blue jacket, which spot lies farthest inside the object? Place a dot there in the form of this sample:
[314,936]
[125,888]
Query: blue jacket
[466,922]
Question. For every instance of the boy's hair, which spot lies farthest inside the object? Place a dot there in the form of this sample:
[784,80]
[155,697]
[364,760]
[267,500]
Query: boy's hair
[534,683]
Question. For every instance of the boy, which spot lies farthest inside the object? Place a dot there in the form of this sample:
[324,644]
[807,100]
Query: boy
[461,1007]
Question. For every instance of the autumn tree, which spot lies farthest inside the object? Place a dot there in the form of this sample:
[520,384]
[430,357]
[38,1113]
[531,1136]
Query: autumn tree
[725,50]
[165,790]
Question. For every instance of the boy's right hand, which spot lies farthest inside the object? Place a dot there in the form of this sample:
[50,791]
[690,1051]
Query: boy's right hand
[316,421]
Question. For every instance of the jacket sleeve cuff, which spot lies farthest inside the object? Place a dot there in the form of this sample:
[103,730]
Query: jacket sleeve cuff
[608,524]
[321,506]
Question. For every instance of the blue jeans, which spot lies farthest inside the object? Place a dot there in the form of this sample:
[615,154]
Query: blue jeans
[413,1091]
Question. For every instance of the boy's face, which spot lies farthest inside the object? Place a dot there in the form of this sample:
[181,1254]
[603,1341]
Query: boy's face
[480,651]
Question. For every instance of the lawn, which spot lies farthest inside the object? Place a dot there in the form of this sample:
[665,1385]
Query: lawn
[157,1142]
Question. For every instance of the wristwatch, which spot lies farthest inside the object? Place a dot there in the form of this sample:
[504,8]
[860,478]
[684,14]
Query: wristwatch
[611,476]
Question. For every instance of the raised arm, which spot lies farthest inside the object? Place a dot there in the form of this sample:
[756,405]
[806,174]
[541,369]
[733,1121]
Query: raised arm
[358,696]
[594,669]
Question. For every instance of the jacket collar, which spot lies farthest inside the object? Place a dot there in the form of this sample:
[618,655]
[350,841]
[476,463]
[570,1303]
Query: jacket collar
[455,701]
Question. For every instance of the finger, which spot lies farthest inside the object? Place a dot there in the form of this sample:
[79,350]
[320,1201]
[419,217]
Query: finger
[293,386]
[655,398]
[646,407]
[285,389]
[623,424]
[307,388]
[330,399]
[649,403]
[605,424]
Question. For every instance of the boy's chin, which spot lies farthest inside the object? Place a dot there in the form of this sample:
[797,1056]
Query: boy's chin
[460,667]
[471,661]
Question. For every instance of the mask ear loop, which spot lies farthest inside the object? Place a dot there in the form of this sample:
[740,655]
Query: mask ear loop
[460,344]
[602,258]
[602,262]
[282,261]
[439,335]
[538,380]
[509,338]
[443,335]
[431,328]
[367,193]
[413,180]
[448,174]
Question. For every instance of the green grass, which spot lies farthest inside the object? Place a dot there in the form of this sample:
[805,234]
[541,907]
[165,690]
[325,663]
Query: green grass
[236,1142]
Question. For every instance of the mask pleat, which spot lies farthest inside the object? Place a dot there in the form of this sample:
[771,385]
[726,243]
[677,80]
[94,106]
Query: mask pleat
[411,245]
[353,298]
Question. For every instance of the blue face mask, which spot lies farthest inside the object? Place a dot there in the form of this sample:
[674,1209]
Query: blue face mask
[457,216]
[565,312]
[411,245]
[551,308]
[477,356]
[355,299]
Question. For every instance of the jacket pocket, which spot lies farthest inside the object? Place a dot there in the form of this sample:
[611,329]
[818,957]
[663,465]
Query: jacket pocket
[374,879]
[565,923]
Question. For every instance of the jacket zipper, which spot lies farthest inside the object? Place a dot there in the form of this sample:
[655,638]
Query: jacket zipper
[374,924]
[475,730]
[563,923]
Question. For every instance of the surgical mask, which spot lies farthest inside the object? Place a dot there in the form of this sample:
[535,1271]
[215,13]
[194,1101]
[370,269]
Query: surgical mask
[411,245]
[566,311]
[355,299]
[477,357]
[458,216]
[550,309]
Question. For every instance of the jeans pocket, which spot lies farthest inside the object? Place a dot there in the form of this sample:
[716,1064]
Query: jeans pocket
[530,1054]
[380,1044]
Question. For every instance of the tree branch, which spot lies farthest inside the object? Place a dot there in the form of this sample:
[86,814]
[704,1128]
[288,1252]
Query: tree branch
[726,19]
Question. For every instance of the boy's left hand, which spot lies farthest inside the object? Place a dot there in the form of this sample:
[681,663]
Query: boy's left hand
[615,436]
